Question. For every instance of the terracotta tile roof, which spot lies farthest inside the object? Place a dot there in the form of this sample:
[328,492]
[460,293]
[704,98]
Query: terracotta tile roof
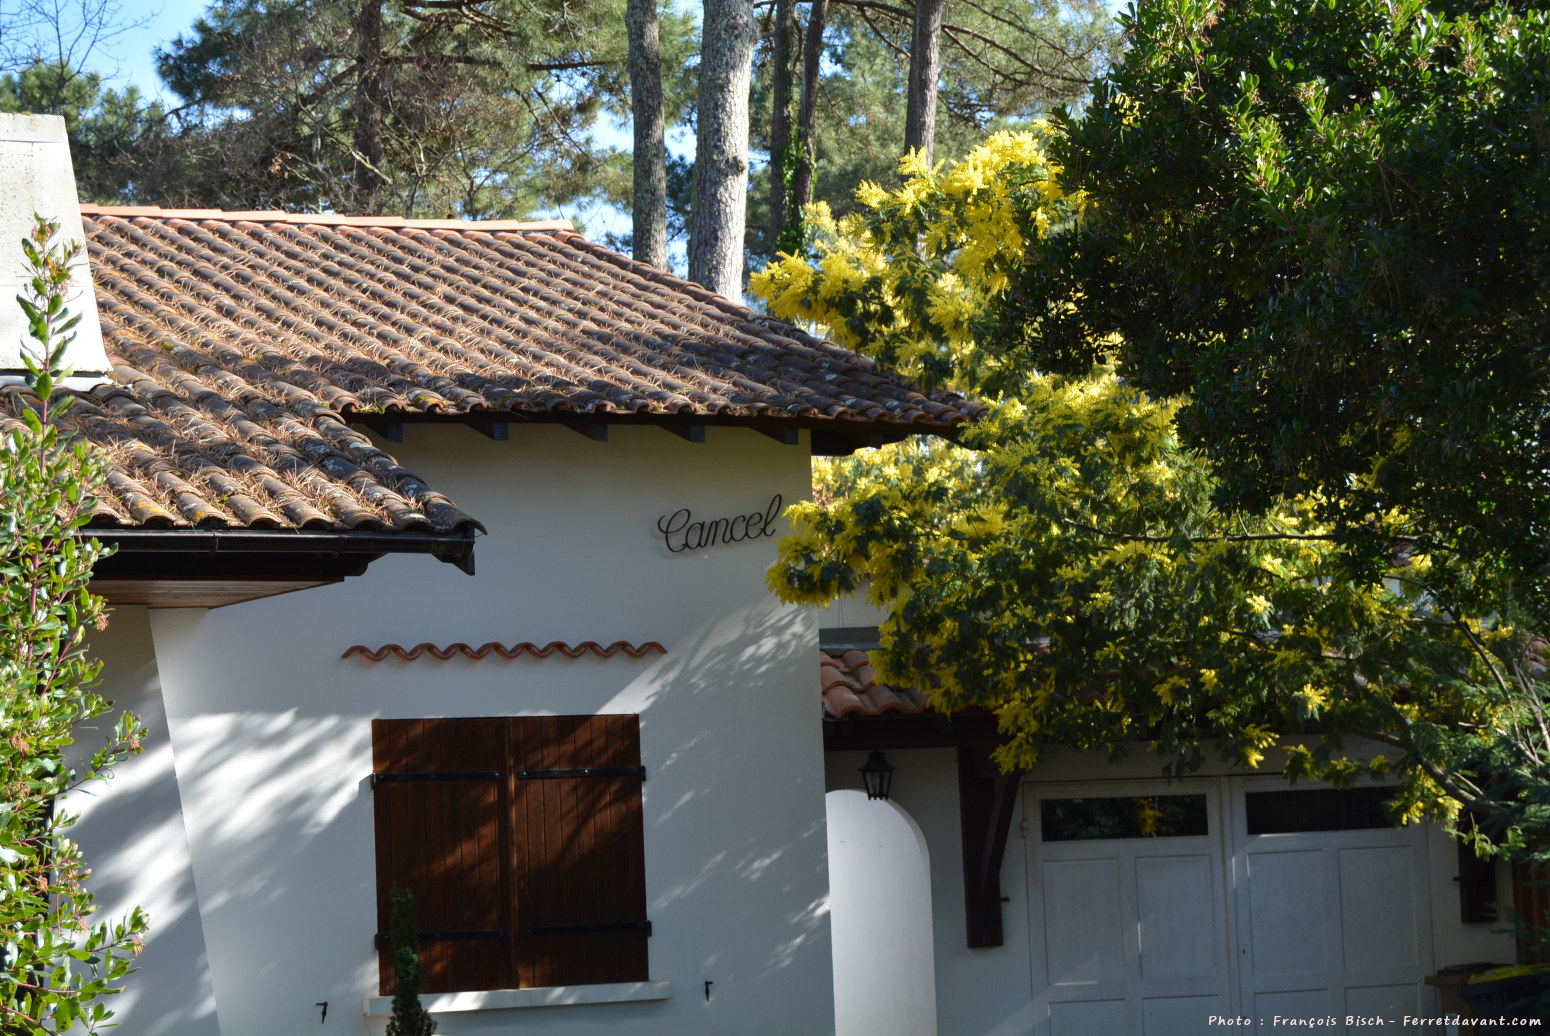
[186,456]
[395,317]
[850,688]
[245,344]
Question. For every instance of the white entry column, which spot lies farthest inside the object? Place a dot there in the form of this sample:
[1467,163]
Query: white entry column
[880,919]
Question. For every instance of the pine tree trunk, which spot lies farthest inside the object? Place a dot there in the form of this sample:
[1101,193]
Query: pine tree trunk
[807,113]
[369,80]
[721,148]
[650,191]
[785,30]
[925,63]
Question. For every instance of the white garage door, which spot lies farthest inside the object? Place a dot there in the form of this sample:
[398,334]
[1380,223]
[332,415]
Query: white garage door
[1126,902]
[1152,908]
[1332,910]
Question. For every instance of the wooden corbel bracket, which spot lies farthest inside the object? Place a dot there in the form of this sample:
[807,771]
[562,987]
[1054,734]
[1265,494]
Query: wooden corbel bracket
[987,799]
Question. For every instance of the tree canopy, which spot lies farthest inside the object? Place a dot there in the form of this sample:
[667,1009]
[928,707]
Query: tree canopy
[119,140]
[1325,224]
[1076,564]
[494,109]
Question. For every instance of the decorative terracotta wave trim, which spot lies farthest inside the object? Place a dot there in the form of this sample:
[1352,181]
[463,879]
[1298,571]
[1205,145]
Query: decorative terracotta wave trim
[525,648]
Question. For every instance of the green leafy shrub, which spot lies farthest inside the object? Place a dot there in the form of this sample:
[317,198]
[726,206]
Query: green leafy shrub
[55,965]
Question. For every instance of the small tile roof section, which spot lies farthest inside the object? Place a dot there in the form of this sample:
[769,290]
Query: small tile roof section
[184,455]
[394,317]
[850,688]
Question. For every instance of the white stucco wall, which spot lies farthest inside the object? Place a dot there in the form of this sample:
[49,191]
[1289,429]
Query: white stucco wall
[132,832]
[854,610]
[271,731]
[37,177]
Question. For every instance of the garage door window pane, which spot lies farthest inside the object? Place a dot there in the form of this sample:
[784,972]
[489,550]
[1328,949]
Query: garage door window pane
[1130,816]
[1321,809]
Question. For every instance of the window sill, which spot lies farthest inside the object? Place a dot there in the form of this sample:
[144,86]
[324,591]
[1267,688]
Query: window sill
[543,996]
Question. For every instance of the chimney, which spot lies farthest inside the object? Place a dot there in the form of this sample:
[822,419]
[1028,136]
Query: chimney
[36,177]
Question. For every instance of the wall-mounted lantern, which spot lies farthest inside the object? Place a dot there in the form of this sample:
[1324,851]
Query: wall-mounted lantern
[877,772]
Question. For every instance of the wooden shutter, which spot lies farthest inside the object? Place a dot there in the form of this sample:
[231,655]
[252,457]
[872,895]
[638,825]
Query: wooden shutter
[438,788]
[1531,902]
[578,850]
[521,839]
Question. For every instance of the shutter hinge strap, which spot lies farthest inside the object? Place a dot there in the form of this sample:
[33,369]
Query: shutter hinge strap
[383,941]
[437,775]
[584,771]
[582,929]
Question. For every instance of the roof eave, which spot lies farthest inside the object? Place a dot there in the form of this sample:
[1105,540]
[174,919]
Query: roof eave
[285,557]
[857,732]
[829,437]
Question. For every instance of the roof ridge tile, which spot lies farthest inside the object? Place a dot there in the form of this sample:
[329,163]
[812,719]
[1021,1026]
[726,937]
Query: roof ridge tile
[330,219]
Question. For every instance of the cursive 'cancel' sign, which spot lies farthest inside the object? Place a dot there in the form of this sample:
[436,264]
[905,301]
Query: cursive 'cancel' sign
[681,532]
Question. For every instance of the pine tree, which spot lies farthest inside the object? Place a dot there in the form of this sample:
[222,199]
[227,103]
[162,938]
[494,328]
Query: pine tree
[477,109]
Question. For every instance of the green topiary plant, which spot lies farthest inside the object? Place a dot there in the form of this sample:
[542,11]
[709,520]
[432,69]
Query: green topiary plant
[409,1018]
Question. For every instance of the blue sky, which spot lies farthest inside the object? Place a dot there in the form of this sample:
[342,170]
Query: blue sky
[132,52]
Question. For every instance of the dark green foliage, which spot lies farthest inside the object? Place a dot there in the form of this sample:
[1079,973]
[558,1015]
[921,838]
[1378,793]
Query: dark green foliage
[1102,582]
[1323,226]
[275,86]
[1325,222]
[409,1018]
